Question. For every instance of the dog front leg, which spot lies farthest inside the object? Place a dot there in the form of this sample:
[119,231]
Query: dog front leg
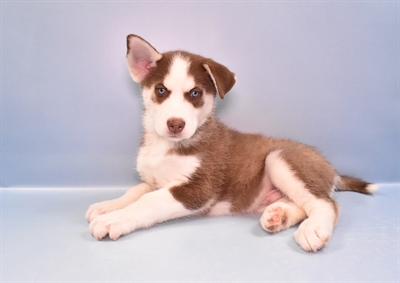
[154,207]
[132,195]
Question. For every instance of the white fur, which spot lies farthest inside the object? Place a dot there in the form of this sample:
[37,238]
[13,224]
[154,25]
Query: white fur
[372,188]
[177,81]
[107,206]
[221,208]
[162,169]
[314,232]
[154,207]
[158,166]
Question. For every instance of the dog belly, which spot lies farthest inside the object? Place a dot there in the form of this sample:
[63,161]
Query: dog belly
[268,195]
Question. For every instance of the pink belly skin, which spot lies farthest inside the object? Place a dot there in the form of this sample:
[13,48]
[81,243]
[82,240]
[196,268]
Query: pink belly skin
[269,194]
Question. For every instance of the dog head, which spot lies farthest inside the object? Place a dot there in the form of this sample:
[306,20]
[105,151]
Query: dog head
[179,88]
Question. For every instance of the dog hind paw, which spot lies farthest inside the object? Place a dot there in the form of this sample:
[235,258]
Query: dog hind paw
[311,236]
[274,219]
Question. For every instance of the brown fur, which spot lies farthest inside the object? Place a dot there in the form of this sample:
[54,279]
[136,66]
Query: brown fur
[352,184]
[216,170]
[198,101]
[206,182]
[232,170]
[157,75]
[233,163]
[158,98]
[310,167]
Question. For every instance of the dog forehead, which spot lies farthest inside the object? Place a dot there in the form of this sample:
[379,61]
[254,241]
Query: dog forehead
[178,77]
[181,64]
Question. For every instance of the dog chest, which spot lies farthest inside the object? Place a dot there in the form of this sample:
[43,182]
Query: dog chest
[161,168]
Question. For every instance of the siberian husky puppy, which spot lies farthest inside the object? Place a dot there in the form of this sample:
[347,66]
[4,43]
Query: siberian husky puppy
[192,164]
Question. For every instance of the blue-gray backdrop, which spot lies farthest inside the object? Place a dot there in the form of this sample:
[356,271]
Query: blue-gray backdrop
[325,73]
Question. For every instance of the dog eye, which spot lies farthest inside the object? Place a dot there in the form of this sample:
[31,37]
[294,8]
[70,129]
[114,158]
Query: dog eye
[161,90]
[195,93]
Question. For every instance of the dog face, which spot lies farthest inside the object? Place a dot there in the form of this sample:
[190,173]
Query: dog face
[179,88]
[177,103]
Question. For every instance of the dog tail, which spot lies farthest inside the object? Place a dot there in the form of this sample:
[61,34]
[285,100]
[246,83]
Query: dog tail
[346,183]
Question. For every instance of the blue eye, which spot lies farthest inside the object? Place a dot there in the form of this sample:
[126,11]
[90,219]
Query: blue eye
[161,91]
[194,93]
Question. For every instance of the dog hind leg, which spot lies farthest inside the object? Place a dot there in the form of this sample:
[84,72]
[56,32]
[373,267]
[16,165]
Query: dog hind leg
[322,212]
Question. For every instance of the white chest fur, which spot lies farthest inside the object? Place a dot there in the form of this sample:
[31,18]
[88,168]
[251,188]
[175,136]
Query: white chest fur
[160,168]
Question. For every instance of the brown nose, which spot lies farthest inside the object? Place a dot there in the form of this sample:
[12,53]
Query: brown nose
[175,125]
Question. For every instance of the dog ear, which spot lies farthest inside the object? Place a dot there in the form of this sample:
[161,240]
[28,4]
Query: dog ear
[140,57]
[222,78]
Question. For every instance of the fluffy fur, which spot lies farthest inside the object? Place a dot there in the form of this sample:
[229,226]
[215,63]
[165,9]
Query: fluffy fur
[191,164]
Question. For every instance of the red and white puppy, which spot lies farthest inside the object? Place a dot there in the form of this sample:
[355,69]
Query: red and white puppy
[191,164]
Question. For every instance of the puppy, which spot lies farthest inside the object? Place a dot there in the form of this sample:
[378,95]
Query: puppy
[192,164]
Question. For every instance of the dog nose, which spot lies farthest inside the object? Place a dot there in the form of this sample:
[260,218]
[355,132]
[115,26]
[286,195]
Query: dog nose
[175,125]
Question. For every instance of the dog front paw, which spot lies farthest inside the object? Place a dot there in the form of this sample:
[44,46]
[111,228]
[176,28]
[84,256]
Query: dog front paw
[113,224]
[101,208]
[312,236]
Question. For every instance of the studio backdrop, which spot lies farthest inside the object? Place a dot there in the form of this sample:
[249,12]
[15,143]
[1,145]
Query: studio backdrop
[324,73]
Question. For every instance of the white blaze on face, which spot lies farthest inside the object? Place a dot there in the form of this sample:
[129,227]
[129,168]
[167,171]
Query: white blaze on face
[178,81]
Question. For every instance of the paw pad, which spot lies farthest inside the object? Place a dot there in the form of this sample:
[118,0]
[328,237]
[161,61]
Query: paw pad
[274,219]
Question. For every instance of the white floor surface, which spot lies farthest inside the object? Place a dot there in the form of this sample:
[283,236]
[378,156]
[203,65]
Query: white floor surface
[45,238]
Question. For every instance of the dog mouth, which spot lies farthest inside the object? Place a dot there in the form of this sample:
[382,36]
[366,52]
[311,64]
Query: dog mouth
[174,137]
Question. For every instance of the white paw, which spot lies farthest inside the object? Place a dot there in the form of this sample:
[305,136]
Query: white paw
[274,219]
[100,208]
[312,235]
[113,224]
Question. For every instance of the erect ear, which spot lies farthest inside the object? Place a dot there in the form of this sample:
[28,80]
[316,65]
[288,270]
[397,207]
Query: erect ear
[223,79]
[140,57]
